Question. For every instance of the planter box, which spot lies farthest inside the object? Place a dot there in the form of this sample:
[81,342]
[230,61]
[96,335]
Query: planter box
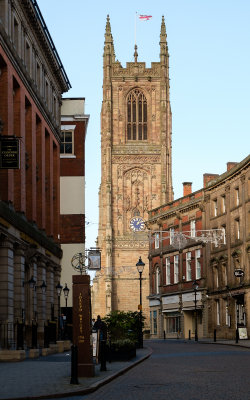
[122,355]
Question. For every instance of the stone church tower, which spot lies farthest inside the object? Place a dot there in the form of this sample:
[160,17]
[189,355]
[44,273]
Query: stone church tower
[136,125]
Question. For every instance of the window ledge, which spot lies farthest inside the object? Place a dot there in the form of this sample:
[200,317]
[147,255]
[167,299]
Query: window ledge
[67,156]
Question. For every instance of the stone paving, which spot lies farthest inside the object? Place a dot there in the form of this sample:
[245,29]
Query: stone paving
[48,377]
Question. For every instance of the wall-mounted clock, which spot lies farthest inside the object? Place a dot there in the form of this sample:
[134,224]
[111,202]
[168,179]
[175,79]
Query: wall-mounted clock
[137,224]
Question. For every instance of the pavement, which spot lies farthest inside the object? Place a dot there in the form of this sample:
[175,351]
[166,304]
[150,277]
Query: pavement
[49,376]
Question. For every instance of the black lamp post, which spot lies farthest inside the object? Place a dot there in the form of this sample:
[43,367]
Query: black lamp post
[66,293]
[140,266]
[59,291]
[195,287]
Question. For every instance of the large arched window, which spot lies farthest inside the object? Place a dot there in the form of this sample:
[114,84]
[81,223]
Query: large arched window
[136,116]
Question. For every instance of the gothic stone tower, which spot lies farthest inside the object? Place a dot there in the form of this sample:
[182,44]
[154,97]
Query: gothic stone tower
[136,177]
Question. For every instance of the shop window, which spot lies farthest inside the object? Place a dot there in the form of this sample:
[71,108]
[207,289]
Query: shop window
[153,322]
[173,323]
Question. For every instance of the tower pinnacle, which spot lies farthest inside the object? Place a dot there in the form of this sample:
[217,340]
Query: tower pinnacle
[163,41]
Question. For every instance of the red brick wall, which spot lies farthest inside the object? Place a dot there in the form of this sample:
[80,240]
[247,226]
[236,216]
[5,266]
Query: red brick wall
[29,187]
[72,228]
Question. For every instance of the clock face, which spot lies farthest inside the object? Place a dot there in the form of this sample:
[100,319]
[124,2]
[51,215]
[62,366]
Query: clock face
[137,224]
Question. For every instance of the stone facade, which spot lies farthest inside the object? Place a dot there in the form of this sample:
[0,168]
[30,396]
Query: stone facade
[227,206]
[136,154]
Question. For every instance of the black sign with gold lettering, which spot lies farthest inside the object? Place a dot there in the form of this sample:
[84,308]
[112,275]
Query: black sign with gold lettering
[9,153]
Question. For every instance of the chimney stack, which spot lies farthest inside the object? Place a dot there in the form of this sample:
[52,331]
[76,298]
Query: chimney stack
[230,165]
[208,177]
[187,188]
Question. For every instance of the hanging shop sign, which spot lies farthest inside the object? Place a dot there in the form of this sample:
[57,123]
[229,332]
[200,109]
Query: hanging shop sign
[9,153]
[94,260]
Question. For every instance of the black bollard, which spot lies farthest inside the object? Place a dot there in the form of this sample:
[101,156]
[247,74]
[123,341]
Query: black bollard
[237,336]
[164,335]
[214,335]
[189,334]
[103,355]
[74,365]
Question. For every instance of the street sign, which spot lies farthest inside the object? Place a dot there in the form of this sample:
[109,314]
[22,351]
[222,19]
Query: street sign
[9,152]
[238,272]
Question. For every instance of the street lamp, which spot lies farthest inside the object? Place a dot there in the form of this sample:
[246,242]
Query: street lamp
[195,287]
[140,266]
[59,291]
[66,293]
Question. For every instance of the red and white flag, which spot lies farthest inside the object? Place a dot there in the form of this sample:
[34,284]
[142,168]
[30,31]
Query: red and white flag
[145,17]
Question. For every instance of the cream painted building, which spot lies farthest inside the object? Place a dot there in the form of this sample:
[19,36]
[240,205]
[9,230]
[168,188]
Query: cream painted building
[72,186]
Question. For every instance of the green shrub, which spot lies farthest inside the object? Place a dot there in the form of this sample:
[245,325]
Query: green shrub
[123,325]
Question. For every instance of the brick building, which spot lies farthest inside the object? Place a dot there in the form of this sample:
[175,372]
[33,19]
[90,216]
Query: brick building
[136,128]
[72,185]
[174,266]
[219,268]
[32,80]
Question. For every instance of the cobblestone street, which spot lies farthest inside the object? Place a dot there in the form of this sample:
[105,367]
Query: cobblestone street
[184,370]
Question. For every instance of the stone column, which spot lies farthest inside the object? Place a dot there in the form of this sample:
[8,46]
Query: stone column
[19,278]
[6,280]
[41,299]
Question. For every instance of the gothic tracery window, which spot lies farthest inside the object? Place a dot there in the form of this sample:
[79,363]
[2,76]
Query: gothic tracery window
[136,116]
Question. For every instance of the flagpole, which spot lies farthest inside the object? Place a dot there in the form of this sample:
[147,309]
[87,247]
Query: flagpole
[135,25]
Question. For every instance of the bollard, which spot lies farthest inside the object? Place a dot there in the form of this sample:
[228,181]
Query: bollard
[103,355]
[74,365]
[164,335]
[237,336]
[189,334]
[214,335]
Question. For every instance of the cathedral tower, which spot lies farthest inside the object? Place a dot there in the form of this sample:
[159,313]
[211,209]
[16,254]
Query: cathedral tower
[136,126]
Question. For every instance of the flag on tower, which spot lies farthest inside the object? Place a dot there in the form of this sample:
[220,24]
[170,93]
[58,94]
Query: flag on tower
[145,17]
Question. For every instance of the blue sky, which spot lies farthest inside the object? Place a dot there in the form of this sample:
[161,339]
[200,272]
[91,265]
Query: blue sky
[209,47]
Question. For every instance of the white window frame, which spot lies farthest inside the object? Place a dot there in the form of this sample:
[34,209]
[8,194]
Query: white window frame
[237,196]
[197,264]
[157,280]
[218,312]
[171,235]
[192,228]
[188,266]
[176,268]
[168,271]
[215,203]
[227,318]
[237,229]
[69,128]
[223,204]
[157,240]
